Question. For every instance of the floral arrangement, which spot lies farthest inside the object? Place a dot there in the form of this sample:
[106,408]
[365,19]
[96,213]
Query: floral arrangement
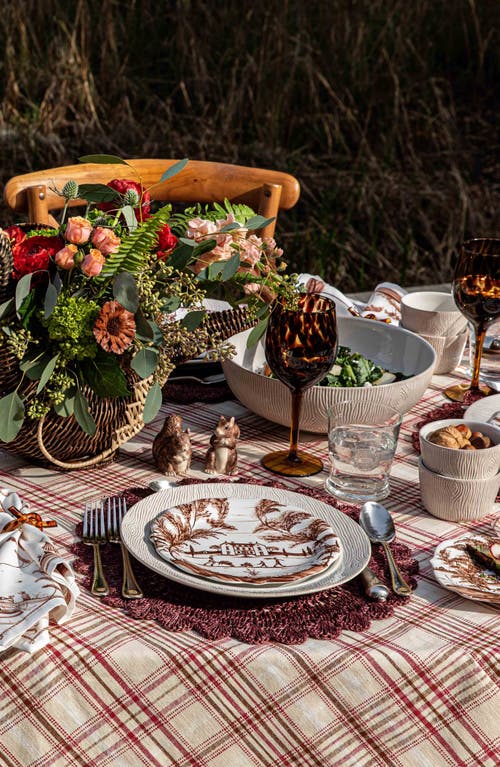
[94,302]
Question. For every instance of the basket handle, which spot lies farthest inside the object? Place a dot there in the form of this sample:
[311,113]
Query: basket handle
[86,464]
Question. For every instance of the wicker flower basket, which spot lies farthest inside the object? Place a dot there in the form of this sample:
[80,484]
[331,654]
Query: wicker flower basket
[60,442]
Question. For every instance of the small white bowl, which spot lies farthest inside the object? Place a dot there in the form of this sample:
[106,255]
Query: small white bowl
[432,313]
[456,499]
[462,464]
[449,350]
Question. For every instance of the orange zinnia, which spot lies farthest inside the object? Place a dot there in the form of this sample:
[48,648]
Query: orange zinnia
[114,328]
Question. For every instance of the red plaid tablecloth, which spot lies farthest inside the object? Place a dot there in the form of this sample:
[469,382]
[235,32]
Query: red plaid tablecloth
[418,689]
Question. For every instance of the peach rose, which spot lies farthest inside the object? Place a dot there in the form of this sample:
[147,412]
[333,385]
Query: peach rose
[65,258]
[78,230]
[106,240]
[199,228]
[93,262]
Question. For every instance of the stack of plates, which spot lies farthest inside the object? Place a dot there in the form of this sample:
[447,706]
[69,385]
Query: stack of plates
[245,540]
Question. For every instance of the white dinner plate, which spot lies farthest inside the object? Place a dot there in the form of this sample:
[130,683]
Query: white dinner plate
[136,531]
[455,569]
[484,409]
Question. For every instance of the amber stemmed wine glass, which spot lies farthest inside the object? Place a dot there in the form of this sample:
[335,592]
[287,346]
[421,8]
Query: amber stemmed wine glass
[301,345]
[476,290]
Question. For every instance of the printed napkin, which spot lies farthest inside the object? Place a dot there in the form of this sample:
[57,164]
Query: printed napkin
[37,586]
[383,304]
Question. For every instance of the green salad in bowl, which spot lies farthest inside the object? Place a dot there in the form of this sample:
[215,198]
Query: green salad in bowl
[352,369]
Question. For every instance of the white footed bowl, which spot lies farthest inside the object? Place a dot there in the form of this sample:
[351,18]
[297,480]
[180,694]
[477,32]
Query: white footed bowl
[462,464]
[456,499]
[391,347]
[432,313]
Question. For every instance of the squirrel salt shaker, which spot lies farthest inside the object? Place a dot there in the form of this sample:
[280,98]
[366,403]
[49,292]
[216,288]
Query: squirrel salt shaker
[222,457]
[172,447]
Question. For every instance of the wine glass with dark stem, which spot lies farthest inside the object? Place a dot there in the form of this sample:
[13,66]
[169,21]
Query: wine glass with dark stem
[476,290]
[301,346]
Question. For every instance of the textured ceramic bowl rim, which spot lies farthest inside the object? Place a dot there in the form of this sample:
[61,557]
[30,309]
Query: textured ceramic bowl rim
[458,480]
[421,313]
[476,498]
[433,426]
[461,464]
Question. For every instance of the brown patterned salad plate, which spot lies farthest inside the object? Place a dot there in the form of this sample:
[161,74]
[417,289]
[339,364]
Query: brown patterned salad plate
[245,540]
[457,570]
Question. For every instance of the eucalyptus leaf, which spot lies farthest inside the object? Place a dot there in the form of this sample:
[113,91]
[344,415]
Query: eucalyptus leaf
[66,407]
[98,193]
[130,217]
[104,159]
[174,169]
[181,256]
[105,376]
[188,241]
[50,301]
[11,416]
[230,227]
[7,308]
[23,289]
[258,222]
[82,414]
[193,320]
[143,331]
[125,291]
[256,333]
[47,372]
[145,361]
[171,304]
[34,363]
[153,402]
[57,282]
[230,267]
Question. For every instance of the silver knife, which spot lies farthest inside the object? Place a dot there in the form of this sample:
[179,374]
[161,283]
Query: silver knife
[373,586]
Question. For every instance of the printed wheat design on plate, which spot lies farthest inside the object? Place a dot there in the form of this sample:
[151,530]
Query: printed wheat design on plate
[179,524]
[281,524]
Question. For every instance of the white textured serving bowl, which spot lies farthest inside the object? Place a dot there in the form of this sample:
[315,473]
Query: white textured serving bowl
[391,347]
[461,464]
[454,499]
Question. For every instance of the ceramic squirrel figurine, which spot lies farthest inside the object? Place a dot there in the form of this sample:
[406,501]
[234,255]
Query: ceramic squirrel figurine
[172,447]
[222,457]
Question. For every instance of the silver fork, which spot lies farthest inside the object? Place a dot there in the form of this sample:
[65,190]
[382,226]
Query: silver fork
[117,507]
[94,533]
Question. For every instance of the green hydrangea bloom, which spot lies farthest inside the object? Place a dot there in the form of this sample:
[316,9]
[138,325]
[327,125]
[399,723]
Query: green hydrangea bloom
[71,323]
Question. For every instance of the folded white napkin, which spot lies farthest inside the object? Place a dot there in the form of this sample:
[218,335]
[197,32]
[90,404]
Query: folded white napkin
[383,304]
[36,585]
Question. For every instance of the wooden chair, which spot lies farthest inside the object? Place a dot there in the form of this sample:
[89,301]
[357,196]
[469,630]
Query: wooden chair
[266,191]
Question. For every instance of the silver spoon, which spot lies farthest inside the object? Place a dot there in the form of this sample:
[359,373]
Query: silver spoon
[379,527]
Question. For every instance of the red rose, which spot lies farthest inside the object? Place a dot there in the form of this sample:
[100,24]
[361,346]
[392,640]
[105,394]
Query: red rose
[166,242]
[122,185]
[15,234]
[34,253]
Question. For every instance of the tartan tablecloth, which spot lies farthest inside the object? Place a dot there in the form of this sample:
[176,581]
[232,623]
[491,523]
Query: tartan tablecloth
[419,689]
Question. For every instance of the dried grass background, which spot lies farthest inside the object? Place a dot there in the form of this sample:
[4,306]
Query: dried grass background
[387,111]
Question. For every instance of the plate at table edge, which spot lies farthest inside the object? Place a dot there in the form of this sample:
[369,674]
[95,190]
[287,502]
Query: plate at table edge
[354,542]
[444,579]
[483,408]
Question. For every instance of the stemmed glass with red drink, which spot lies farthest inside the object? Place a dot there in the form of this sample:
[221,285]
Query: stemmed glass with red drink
[476,289]
[301,346]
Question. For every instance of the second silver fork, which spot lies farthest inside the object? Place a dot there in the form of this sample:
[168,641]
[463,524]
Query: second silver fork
[117,507]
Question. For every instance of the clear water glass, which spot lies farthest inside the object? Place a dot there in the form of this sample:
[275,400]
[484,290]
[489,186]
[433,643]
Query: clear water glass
[361,450]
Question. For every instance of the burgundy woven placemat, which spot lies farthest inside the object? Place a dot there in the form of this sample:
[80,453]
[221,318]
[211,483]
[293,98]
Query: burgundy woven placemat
[288,620]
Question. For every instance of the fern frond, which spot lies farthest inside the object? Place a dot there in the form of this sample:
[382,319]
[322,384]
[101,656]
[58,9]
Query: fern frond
[134,249]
